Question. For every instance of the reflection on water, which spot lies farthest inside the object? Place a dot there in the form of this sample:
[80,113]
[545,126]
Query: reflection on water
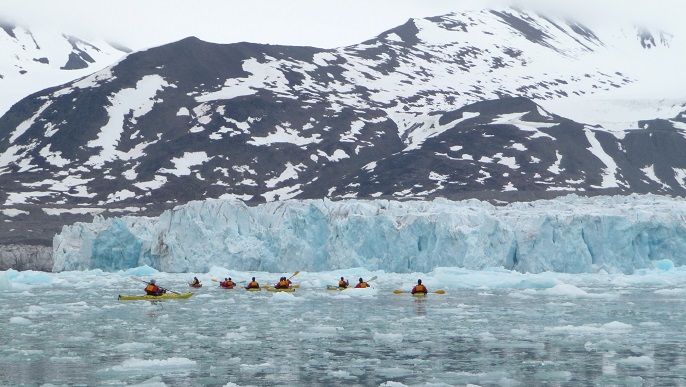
[315,337]
[420,308]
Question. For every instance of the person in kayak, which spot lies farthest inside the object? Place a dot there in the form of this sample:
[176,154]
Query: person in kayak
[419,288]
[196,282]
[153,290]
[343,283]
[361,284]
[283,283]
[227,283]
[253,284]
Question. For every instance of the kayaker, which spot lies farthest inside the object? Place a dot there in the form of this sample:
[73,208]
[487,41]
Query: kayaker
[253,284]
[343,283]
[196,282]
[419,288]
[361,284]
[227,283]
[283,283]
[153,290]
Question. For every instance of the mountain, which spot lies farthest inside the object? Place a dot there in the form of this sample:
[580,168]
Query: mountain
[34,59]
[448,106]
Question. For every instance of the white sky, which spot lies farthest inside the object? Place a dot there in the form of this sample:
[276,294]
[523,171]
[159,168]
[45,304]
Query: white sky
[321,23]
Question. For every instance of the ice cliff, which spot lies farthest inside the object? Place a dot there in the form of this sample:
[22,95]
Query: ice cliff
[570,234]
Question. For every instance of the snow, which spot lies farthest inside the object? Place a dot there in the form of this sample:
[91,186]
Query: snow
[182,166]
[610,176]
[137,102]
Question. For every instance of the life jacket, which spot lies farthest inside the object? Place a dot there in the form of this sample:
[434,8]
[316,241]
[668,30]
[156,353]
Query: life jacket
[342,284]
[252,285]
[419,289]
[196,281]
[361,285]
[227,284]
[152,290]
[282,284]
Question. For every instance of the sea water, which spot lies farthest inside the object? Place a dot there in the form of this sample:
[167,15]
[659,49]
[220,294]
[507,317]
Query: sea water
[490,328]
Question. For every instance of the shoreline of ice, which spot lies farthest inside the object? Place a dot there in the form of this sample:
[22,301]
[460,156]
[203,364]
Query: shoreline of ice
[571,234]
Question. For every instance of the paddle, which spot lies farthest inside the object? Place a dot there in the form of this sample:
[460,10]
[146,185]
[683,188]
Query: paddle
[146,282]
[401,292]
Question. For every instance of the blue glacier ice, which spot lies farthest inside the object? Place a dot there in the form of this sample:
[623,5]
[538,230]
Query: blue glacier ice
[571,234]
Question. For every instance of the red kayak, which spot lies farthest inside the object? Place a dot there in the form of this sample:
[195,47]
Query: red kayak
[195,286]
[226,287]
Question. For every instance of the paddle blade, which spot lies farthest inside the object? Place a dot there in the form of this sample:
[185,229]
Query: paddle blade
[266,286]
[214,280]
[296,286]
[372,279]
[294,274]
[398,292]
[440,291]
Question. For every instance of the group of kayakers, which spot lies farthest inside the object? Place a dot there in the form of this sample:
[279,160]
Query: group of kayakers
[284,283]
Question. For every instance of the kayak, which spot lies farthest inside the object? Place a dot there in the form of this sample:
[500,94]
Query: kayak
[331,287]
[419,294]
[280,290]
[166,296]
[226,287]
[253,289]
[195,286]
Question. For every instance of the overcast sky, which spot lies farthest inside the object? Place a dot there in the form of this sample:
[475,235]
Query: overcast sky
[321,23]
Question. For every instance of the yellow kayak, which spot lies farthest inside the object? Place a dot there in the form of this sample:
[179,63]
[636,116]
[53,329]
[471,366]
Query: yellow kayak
[166,296]
[253,289]
[331,287]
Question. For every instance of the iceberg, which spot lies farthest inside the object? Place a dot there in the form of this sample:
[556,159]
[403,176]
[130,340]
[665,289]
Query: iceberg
[570,234]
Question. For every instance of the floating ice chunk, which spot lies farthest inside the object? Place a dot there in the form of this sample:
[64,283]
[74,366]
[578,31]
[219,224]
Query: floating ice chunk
[285,297]
[617,326]
[393,337]
[637,361]
[4,281]
[20,320]
[131,347]
[152,382]
[664,264]
[339,374]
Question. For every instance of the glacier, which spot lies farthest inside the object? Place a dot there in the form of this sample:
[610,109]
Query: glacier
[569,234]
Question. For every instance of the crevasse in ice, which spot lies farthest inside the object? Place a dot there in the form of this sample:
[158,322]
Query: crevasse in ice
[570,234]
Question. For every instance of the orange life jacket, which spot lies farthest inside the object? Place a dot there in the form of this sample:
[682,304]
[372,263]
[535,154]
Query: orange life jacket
[282,284]
[152,289]
[419,289]
[342,284]
[253,284]
[361,285]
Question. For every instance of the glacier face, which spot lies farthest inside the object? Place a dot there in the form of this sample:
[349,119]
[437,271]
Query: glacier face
[570,234]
